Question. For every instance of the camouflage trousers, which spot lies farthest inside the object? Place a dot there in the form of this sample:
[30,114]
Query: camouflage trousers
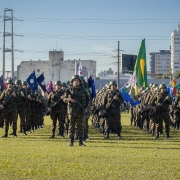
[1,119]
[60,117]
[76,124]
[113,122]
[86,126]
[176,119]
[160,116]
[10,118]
[102,124]
[21,113]
[28,116]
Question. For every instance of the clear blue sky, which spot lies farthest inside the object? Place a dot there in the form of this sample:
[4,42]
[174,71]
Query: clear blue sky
[89,30]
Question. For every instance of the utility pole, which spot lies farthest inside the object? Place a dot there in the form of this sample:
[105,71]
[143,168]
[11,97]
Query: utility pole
[10,34]
[118,80]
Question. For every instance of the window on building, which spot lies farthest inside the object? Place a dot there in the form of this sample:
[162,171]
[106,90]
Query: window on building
[38,70]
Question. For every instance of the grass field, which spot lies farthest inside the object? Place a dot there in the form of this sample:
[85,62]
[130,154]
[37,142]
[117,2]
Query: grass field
[136,156]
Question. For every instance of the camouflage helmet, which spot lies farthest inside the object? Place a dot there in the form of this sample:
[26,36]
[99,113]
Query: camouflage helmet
[112,83]
[18,82]
[82,78]
[68,82]
[58,83]
[9,81]
[64,84]
[155,85]
[162,86]
[75,77]
[147,88]
[24,83]
[151,84]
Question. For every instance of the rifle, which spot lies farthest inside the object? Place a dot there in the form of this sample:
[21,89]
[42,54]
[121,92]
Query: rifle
[107,107]
[77,100]
[142,111]
[48,112]
[6,101]
[156,107]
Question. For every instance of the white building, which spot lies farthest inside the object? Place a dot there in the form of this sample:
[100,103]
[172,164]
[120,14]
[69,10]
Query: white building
[175,50]
[160,62]
[56,68]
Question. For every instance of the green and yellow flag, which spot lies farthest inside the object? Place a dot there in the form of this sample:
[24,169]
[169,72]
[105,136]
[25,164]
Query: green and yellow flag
[141,66]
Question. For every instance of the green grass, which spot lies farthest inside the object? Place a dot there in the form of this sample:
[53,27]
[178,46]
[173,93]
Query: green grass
[136,156]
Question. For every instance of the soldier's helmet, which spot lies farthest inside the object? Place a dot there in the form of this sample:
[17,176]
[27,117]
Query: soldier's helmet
[82,78]
[68,82]
[151,84]
[162,86]
[24,83]
[112,83]
[155,85]
[156,88]
[18,82]
[75,77]
[9,81]
[64,84]
[58,83]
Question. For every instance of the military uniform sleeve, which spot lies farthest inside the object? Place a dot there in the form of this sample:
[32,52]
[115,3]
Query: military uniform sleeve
[49,100]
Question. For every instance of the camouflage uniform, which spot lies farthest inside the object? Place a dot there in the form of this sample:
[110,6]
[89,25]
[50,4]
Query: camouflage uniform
[162,112]
[21,102]
[112,107]
[57,112]
[10,111]
[176,119]
[75,112]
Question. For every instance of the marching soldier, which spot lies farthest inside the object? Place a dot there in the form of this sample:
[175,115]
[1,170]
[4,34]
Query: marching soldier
[112,102]
[8,103]
[162,110]
[58,111]
[77,99]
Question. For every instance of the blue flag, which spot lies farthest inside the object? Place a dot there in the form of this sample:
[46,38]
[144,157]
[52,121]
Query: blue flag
[170,91]
[92,87]
[32,81]
[127,97]
[2,84]
[41,82]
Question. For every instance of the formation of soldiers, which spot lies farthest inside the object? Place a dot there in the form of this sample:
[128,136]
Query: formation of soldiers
[106,110]
[69,105]
[18,99]
[155,108]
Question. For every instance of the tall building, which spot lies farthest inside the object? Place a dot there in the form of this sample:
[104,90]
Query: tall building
[56,68]
[160,62]
[127,63]
[175,50]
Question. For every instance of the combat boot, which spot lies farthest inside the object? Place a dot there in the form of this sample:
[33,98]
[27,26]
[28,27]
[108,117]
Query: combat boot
[52,136]
[62,133]
[5,134]
[14,133]
[59,132]
[119,136]
[71,141]
[106,136]
[168,136]
[24,129]
[157,135]
[81,142]
[21,129]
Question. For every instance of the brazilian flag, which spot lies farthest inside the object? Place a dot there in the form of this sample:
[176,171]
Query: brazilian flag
[141,66]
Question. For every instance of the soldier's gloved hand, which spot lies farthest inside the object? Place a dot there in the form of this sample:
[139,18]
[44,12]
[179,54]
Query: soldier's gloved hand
[29,97]
[71,100]
[14,94]
[116,98]
[22,94]
[1,106]
[104,111]
[49,109]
